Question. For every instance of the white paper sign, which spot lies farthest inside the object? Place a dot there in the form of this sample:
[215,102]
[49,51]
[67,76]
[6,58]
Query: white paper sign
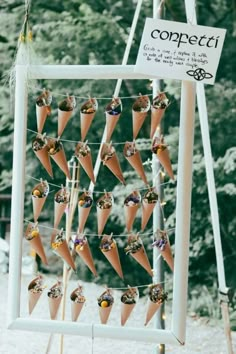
[177,50]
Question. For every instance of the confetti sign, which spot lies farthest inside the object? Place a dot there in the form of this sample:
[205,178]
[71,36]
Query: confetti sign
[180,51]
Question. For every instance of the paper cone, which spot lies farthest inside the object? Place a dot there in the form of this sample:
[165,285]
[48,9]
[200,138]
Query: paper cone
[147,209]
[104,314]
[76,308]
[113,257]
[37,245]
[33,299]
[63,119]
[163,157]
[136,162]
[86,255]
[104,311]
[41,114]
[85,161]
[59,210]
[111,121]
[44,158]
[86,117]
[152,309]
[141,257]
[33,296]
[38,202]
[84,210]
[112,161]
[138,120]
[60,159]
[126,310]
[64,252]
[103,214]
[130,214]
[156,117]
[168,257]
[54,304]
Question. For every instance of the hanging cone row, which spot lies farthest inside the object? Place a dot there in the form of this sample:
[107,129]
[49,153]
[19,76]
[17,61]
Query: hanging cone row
[149,201]
[110,160]
[113,111]
[162,242]
[160,149]
[131,205]
[156,297]
[60,247]
[104,206]
[87,113]
[136,249]
[35,289]
[77,302]
[134,158]
[33,236]
[109,248]
[83,154]
[43,109]
[84,206]
[128,302]
[54,299]
[83,250]
[65,110]
[61,201]
[139,112]
[159,105]
[39,194]
[105,303]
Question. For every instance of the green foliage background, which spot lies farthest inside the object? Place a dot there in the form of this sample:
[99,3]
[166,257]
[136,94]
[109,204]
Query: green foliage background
[95,32]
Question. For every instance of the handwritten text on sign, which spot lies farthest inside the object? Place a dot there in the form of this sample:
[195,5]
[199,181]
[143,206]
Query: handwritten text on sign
[177,50]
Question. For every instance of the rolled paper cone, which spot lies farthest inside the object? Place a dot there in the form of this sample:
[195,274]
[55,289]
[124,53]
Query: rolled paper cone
[32,300]
[59,209]
[113,257]
[64,252]
[85,122]
[102,216]
[164,159]
[111,121]
[126,310]
[83,216]
[44,158]
[76,308]
[147,209]
[60,159]
[36,244]
[104,313]
[152,309]
[141,257]
[156,117]
[130,213]
[168,257]
[114,166]
[136,162]
[38,204]
[86,256]
[138,120]
[86,163]
[54,304]
[41,114]
[63,118]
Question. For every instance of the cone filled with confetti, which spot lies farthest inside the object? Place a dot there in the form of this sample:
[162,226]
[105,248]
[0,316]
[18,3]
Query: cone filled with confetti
[113,111]
[159,105]
[39,194]
[43,109]
[162,242]
[104,206]
[54,299]
[156,298]
[77,302]
[160,149]
[33,236]
[139,112]
[35,289]
[110,160]
[84,206]
[40,148]
[60,247]
[83,250]
[128,302]
[109,248]
[131,206]
[87,113]
[134,158]
[149,201]
[61,201]
[83,154]
[65,110]
[105,303]
[57,153]
[136,249]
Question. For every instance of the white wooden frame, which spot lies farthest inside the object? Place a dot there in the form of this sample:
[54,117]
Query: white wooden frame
[183,209]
